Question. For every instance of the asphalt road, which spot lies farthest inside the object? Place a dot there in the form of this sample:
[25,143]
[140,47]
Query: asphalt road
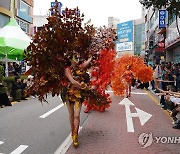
[29,127]
[134,125]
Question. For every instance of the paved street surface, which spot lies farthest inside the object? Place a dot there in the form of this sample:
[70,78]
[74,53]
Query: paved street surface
[31,128]
[107,133]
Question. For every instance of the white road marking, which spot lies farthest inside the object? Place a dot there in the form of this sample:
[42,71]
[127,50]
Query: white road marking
[51,111]
[143,116]
[60,98]
[108,91]
[1,142]
[66,144]
[20,149]
[138,93]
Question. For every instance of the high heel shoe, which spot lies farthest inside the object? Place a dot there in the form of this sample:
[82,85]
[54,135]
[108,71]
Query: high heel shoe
[75,140]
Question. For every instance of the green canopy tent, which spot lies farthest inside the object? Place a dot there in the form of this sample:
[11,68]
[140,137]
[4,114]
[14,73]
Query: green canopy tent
[13,41]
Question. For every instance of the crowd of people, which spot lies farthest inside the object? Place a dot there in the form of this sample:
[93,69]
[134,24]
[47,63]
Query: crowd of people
[167,85]
[14,68]
[21,90]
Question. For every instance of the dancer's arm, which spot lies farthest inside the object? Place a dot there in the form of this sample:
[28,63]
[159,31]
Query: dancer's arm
[86,63]
[71,79]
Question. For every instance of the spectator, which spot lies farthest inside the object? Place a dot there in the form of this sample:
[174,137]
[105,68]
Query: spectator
[152,82]
[11,69]
[157,75]
[176,122]
[176,76]
[18,87]
[4,100]
[17,68]
[29,90]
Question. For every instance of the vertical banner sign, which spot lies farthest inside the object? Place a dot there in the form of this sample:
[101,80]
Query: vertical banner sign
[125,36]
[162,18]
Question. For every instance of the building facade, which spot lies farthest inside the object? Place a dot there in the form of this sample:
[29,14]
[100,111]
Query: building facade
[172,41]
[139,34]
[161,44]
[112,22]
[21,10]
[5,12]
[24,15]
[38,22]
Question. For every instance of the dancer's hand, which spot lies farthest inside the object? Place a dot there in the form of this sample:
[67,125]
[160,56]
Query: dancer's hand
[77,84]
[83,85]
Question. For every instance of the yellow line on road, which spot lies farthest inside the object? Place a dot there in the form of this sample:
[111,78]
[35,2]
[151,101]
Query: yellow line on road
[14,103]
[157,102]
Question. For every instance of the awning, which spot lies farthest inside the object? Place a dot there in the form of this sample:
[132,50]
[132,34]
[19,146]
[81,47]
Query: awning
[174,44]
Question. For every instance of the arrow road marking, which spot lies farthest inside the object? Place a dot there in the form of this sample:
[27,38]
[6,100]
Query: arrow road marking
[20,149]
[143,116]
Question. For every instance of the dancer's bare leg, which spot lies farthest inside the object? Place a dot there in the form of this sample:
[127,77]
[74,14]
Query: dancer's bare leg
[77,118]
[76,122]
[70,107]
[129,90]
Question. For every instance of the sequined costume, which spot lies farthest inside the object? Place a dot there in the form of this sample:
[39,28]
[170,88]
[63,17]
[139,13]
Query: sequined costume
[70,92]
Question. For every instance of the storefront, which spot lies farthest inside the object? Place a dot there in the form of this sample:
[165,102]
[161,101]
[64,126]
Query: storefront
[176,55]
[173,51]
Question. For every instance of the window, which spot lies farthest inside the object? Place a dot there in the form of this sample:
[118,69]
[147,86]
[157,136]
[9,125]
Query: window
[171,18]
[156,14]
[152,21]
[4,20]
[177,55]
[24,25]
[23,7]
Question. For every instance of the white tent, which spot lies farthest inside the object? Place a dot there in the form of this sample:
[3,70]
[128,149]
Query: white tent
[13,42]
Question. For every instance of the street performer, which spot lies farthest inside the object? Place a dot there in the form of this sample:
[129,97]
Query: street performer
[73,94]
[60,55]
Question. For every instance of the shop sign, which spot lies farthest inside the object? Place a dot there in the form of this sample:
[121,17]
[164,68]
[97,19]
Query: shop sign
[162,18]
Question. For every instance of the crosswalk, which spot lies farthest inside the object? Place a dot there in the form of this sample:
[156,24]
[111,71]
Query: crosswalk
[18,150]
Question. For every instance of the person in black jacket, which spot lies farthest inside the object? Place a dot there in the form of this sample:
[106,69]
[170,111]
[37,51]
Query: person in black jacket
[4,100]
[18,89]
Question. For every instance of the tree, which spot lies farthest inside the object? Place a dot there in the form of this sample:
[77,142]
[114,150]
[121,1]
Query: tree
[172,6]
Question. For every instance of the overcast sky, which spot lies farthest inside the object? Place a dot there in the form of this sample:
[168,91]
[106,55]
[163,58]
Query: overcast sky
[96,10]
